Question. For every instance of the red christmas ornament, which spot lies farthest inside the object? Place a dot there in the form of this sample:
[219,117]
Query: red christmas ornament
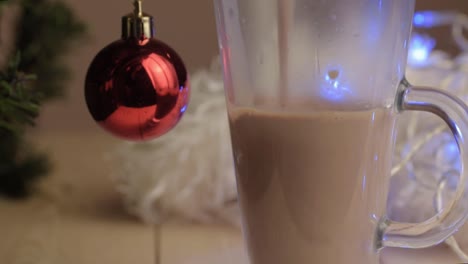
[137,87]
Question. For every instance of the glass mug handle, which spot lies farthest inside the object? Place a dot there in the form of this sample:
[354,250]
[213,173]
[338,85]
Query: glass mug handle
[443,225]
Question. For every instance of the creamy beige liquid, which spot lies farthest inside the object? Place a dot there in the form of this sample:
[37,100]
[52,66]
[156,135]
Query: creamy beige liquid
[312,186]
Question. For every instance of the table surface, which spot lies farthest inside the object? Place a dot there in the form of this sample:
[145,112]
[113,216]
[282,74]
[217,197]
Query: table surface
[76,217]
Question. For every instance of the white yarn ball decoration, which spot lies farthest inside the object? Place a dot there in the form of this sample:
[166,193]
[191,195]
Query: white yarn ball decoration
[188,173]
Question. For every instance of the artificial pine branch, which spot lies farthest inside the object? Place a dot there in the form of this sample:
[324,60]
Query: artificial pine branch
[45,31]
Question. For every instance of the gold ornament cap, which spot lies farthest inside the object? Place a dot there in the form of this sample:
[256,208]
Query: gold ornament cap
[137,25]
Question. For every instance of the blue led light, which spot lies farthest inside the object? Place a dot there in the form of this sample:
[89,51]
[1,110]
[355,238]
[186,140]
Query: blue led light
[420,54]
[418,19]
[451,150]
[335,83]
[333,88]
[183,109]
[426,19]
[420,49]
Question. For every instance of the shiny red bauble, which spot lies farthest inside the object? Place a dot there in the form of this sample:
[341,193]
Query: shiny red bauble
[137,89]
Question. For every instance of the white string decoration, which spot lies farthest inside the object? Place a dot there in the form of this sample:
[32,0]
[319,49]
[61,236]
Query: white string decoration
[427,163]
[189,172]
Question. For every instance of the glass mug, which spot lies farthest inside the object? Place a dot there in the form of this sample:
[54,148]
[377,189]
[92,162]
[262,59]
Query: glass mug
[313,89]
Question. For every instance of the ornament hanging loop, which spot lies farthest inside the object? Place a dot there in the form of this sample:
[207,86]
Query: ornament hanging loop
[137,25]
[138,8]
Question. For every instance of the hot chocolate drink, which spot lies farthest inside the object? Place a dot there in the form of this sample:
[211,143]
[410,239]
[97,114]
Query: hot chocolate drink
[312,185]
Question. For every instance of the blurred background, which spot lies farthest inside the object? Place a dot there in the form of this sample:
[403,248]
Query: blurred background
[77,211]
[189,26]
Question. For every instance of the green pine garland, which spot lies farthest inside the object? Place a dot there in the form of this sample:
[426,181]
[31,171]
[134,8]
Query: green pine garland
[45,31]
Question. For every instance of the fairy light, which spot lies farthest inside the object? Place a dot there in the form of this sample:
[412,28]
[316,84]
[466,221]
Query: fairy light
[420,49]
[429,19]
[333,87]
